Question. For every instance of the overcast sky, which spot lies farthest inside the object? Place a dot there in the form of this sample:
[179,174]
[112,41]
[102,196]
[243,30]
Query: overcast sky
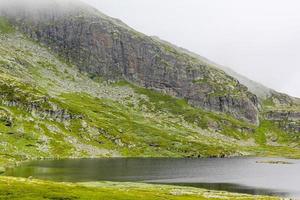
[257,38]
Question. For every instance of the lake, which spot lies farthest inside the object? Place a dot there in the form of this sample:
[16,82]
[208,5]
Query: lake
[243,175]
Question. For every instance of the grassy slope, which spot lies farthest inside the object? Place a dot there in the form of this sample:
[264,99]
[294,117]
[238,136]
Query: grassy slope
[31,74]
[35,83]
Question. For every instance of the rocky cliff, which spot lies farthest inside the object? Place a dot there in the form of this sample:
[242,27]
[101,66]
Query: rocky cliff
[284,110]
[105,47]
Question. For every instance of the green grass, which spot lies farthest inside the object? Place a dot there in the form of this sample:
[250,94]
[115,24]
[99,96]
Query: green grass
[179,107]
[151,136]
[261,131]
[275,151]
[5,26]
[25,189]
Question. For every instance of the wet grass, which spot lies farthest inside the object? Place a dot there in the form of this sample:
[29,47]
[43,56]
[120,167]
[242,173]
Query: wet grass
[26,189]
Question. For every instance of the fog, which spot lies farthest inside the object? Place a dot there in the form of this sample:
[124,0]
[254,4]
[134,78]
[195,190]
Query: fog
[19,7]
[41,4]
[257,38]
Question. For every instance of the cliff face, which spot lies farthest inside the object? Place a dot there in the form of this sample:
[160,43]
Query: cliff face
[105,47]
[283,110]
[289,121]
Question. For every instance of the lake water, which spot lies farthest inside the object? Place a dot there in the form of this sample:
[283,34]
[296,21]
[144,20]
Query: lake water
[244,175]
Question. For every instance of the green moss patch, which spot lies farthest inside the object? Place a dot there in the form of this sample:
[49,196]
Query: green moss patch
[5,26]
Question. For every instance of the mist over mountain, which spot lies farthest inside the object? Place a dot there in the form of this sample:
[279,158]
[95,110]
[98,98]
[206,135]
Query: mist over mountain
[261,44]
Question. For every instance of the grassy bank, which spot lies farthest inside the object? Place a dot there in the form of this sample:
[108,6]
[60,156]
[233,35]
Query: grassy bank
[26,189]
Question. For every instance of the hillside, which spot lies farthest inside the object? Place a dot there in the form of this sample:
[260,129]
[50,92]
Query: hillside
[258,89]
[48,105]
[102,46]
[76,83]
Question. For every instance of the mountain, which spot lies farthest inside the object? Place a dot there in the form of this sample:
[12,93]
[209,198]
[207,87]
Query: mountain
[274,106]
[261,91]
[77,83]
[102,46]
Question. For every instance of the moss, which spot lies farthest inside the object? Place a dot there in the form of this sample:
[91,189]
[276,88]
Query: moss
[261,131]
[5,26]
[268,102]
[2,170]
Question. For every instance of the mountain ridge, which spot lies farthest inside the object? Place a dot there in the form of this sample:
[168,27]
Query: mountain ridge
[102,47]
[256,88]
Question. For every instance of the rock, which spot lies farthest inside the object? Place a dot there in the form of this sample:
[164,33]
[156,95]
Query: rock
[287,120]
[275,162]
[283,115]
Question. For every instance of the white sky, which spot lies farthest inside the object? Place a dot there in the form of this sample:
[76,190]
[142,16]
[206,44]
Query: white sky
[257,38]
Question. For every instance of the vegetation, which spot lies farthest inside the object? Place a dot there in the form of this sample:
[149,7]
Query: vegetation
[17,188]
[5,26]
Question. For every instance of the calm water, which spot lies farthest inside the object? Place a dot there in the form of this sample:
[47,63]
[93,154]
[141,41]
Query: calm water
[231,174]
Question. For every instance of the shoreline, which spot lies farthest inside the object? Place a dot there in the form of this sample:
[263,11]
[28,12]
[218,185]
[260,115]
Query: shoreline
[18,187]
